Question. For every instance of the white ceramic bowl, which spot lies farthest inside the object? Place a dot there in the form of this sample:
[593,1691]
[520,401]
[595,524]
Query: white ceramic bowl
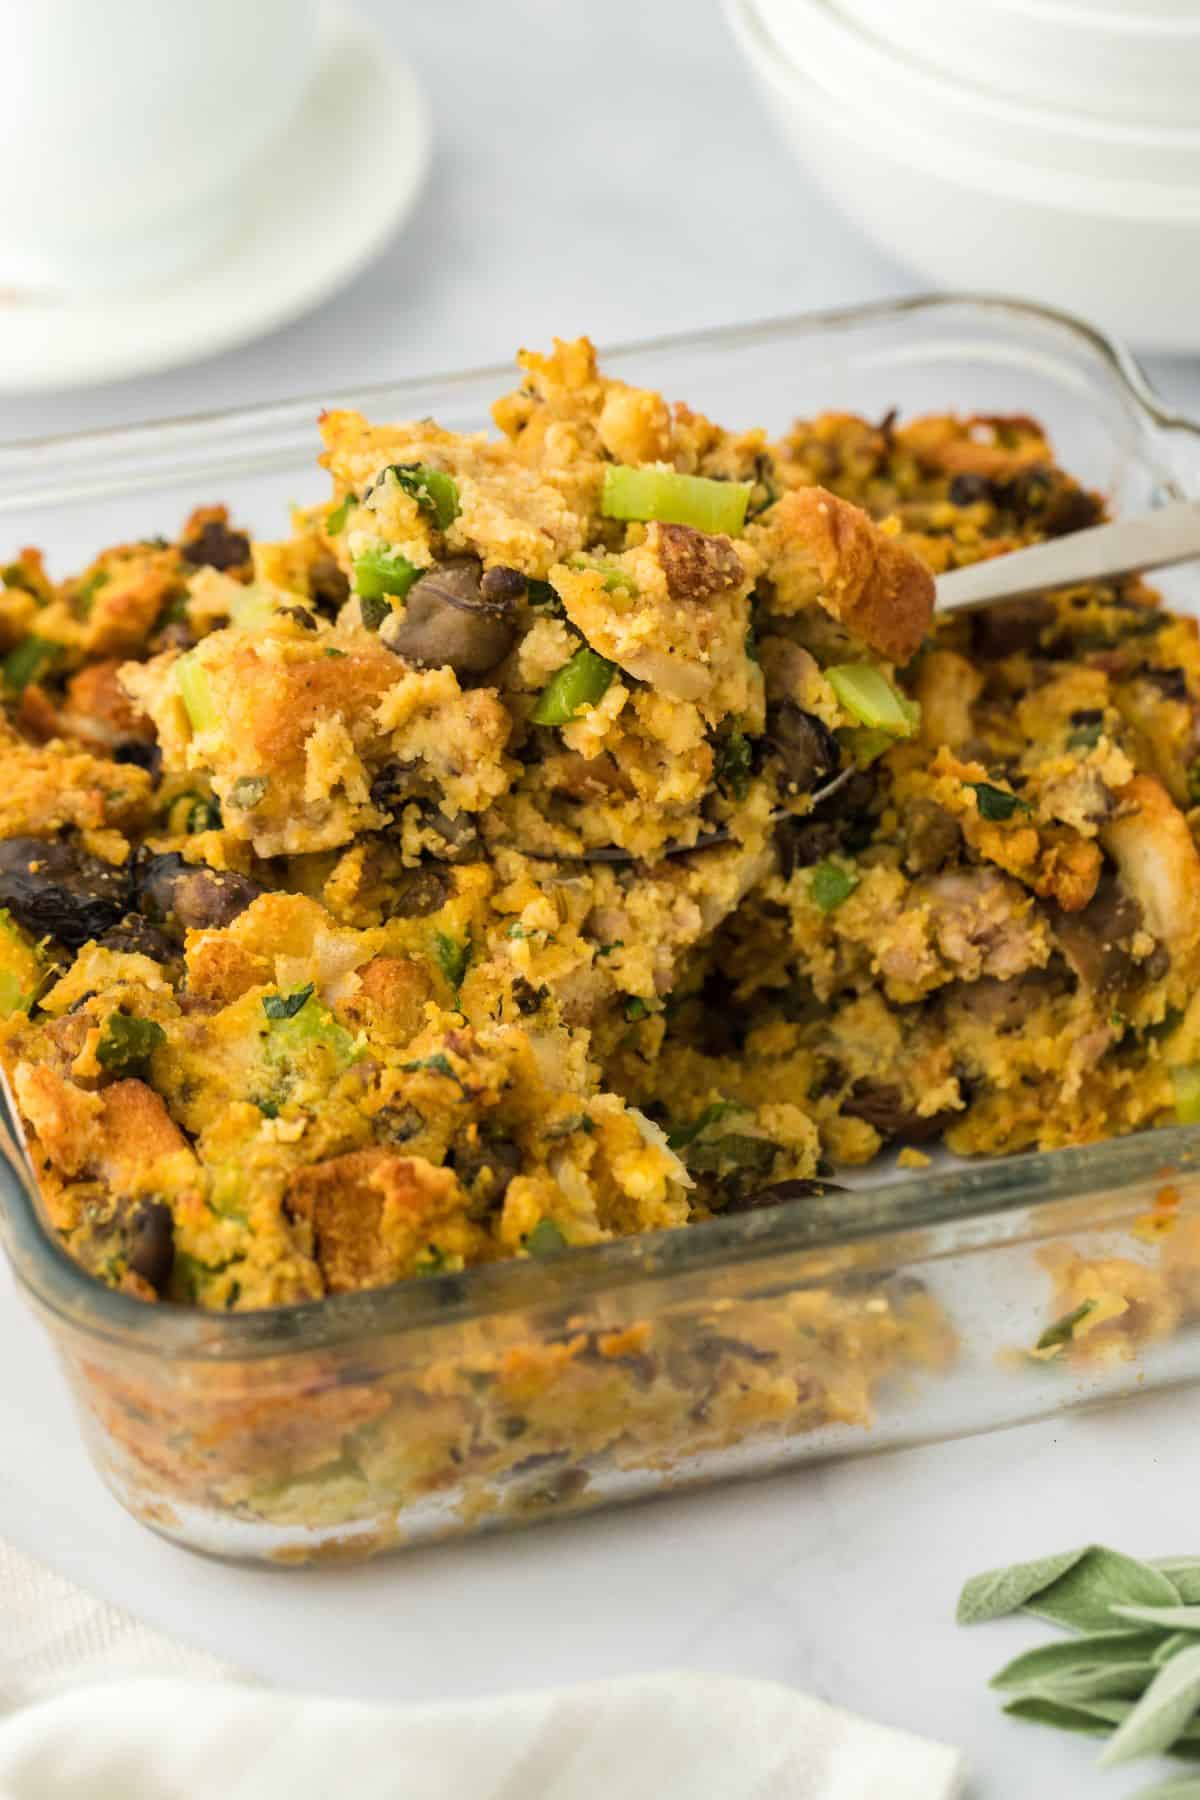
[1127,254]
[822,42]
[1140,66]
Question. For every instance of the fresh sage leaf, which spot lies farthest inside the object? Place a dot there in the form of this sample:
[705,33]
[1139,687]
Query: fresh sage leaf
[1162,1712]
[1167,1618]
[1073,1656]
[1171,1646]
[1183,1572]
[1093,1718]
[1083,1596]
[1178,1787]
[998,1592]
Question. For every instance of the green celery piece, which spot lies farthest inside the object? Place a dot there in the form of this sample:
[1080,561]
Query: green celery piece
[29,661]
[580,683]
[434,491]
[379,571]
[1185,1080]
[829,885]
[674,499]
[195,691]
[20,967]
[126,1043]
[252,608]
[335,520]
[298,1021]
[545,1239]
[866,692]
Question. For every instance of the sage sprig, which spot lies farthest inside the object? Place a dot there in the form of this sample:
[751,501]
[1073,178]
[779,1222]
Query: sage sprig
[1131,1670]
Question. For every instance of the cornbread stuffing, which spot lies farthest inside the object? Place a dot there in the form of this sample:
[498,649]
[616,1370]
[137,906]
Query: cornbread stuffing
[576,832]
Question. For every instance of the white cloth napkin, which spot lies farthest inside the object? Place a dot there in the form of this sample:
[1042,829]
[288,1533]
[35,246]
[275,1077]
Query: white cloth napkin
[152,1720]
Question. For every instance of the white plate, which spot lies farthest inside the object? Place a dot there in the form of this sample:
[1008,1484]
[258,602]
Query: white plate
[321,203]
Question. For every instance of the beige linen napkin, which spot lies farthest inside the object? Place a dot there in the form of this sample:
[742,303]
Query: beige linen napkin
[95,1706]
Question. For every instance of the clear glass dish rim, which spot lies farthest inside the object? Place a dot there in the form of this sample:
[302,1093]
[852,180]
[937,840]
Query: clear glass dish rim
[977,1195]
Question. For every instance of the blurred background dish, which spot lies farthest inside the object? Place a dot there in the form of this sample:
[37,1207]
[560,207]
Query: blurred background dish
[1099,220]
[362,120]
[1122,61]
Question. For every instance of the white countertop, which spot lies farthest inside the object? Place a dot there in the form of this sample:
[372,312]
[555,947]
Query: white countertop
[604,168]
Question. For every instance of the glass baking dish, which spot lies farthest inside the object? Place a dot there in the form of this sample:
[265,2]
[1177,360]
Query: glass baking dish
[908,1309]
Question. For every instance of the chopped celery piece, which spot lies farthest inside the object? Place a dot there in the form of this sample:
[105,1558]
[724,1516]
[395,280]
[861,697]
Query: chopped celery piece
[379,571]
[545,1239]
[578,684]
[864,744]
[298,1022]
[434,492]
[335,521]
[29,661]
[867,693]
[195,692]
[829,884]
[1185,1079]
[675,499]
[20,968]
[126,1043]
[87,590]
[252,607]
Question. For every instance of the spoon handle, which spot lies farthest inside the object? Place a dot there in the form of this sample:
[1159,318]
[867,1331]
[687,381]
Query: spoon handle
[1169,535]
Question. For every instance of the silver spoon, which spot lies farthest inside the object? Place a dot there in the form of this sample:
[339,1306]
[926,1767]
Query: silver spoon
[1162,538]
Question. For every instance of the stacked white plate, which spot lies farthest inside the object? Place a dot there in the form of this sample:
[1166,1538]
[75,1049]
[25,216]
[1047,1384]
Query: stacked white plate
[1043,147]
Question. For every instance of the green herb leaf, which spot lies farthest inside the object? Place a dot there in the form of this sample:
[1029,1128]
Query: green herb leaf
[996,803]
[1083,1596]
[1162,1712]
[1170,1646]
[541,593]
[545,1239]
[1085,737]
[1178,1787]
[32,658]
[434,491]
[248,791]
[373,609]
[437,1064]
[733,763]
[335,521]
[1167,1618]
[453,957]
[1092,1719]
[1075,1657]
[1063,1330]
[636,1008]
[607,949]
[127,1043]
[1183,1572]
[829,885]
[87,590]
[736,1152]
[718,1109]
[286,1006]
[998,1592]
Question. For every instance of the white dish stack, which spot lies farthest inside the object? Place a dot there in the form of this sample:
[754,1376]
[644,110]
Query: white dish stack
[1044,147]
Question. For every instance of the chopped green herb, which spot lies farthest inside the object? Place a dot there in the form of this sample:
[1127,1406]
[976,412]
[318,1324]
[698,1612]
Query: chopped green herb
[636,1008]
[545,1239]
[718,1109]
[580,683]
[1085,737]
[373,610]
[996,803]
[750,642]
[541,593]
[87,591]
[607,949]
[126,1043]
[335,521]
[675,499]
[520,931]
[15,575]
[453,957]
[734,761]
[612,580]
[735,1153]
[829,885]
[434,491]
[248,790]
[268,1108]
[32,658]
[437,1064]
[286,1006]
[1063,1330]
[331,650]
[379,571]
[431,1261]
[866,693]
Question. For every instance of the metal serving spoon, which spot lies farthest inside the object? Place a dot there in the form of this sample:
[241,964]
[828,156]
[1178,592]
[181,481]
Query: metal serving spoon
[1169,535]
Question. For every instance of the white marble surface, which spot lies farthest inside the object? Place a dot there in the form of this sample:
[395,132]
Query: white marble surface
[603,167]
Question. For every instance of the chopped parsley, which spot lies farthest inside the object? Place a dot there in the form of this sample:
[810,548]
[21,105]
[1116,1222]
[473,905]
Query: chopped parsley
[996,803]
[286,1006]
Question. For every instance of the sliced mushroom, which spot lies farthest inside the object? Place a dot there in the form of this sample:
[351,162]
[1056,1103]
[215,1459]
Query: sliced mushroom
[447,620]
[136,937]
[152,1243]
[804,745]
[780,1192]
[884,1105]
[60,891]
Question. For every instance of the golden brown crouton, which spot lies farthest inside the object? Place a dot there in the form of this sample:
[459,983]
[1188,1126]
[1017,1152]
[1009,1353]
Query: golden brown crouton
[370,1214]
